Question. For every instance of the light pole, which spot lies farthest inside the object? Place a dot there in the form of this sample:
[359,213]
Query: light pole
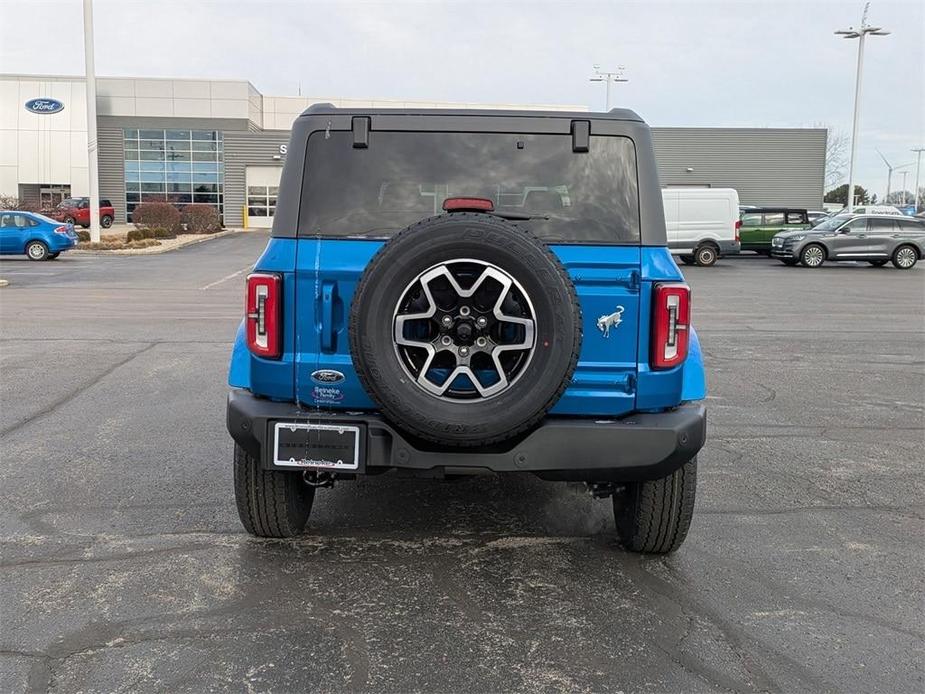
[918,164]
[92,153]
[904,187]
[607,78]
[859,33]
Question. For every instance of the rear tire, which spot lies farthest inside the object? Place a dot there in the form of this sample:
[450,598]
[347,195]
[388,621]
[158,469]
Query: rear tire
[687,259]
[105,221]
[271,503]
[654,516]
[812,256]
[706,255]
[36,250]
[905,257]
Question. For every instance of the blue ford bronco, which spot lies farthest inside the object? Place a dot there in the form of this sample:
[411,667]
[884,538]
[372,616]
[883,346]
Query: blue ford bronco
[458,292]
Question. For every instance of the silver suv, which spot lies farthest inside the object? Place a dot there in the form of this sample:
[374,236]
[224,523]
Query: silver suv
[874,238]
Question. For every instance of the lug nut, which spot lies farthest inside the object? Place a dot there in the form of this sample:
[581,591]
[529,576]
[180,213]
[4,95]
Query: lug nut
[481,321]
[481,342]
[447,341]
[464,311]
[447,321]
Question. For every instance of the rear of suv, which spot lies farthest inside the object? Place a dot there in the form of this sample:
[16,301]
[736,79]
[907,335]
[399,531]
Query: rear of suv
[77,211]
[460,292]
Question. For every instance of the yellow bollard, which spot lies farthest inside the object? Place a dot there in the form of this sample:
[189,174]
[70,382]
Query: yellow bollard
[244,215]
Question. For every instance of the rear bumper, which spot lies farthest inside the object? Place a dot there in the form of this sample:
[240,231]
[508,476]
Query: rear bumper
[637,447]
[61,243]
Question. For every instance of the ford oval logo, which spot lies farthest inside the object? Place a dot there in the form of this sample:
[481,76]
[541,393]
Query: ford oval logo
[327,376]
[44,106]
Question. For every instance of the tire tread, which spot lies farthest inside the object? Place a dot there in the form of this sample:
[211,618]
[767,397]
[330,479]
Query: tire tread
[654,516]
[271,503]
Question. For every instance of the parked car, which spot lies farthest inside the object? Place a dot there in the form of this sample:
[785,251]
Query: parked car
[874,238]
[702,223]
[34,235]
[761,224]
[77,211]
[873,209]
[816,216]
[472,324]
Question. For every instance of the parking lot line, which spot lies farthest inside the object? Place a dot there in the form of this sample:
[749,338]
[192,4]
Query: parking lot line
[225,278]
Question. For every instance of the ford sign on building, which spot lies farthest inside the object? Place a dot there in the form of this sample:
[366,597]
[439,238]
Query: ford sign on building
[44,106]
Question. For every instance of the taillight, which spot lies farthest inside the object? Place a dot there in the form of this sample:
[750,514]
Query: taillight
[671,313]
[61,230]
[262,311]
[738,226]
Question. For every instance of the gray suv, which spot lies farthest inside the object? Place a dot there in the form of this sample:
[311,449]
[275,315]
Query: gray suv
[874,238]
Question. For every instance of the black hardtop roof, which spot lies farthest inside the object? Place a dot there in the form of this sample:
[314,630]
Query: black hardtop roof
[621,114]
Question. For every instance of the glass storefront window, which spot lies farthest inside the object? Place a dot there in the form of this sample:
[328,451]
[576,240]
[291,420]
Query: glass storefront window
[176,166]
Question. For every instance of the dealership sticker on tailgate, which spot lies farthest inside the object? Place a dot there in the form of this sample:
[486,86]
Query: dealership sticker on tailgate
[329,446]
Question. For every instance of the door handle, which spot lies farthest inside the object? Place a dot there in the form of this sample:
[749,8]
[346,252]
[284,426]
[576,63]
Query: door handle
[328,329]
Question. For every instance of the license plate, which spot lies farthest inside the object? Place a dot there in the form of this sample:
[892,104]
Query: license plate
[328,446]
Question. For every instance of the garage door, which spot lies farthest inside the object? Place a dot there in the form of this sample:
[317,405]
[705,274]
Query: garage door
[262,187]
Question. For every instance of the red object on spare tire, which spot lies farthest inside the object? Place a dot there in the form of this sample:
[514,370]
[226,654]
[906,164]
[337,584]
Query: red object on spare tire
[465,329]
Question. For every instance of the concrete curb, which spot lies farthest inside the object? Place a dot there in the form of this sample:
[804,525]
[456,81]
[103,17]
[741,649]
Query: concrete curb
[156,250]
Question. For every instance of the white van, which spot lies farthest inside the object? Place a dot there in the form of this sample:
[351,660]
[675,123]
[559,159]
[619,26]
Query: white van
[702,223]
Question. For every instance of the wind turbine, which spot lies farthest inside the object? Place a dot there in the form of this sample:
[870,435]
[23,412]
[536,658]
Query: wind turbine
[889,175]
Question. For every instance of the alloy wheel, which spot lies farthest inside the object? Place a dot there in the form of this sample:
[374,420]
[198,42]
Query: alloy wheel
[905,257]
[813,256]
[464,330]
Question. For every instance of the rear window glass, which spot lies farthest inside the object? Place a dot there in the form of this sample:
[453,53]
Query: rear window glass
[403,177]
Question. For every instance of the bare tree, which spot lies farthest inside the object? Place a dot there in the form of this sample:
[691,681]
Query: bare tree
[836,156]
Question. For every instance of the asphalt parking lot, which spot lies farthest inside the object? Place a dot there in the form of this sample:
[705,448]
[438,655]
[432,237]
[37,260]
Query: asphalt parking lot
[124,566]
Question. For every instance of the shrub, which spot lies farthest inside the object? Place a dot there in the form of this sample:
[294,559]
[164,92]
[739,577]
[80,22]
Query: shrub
[162,234]
[200,218]
[11,202]
[143,243]
[134,235]
[83,235]
[157,215]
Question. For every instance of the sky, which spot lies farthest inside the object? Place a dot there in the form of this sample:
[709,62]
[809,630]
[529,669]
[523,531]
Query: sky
[689,63]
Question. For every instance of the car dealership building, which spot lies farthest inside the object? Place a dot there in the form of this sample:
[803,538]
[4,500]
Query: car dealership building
[223,143]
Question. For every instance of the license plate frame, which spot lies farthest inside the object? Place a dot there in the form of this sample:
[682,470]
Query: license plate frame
[325,451]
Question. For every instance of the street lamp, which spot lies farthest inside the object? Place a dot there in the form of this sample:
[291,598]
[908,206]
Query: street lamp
[92,151]
[859,33]
[607,78]
[904,187]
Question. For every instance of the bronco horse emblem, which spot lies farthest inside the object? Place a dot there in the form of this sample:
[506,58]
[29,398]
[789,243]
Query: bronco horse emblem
[605,323]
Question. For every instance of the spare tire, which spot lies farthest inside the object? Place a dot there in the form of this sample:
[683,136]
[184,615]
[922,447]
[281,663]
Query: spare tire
[465,329]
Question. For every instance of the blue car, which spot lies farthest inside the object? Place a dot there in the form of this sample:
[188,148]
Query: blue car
[34,235]
[449,293]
